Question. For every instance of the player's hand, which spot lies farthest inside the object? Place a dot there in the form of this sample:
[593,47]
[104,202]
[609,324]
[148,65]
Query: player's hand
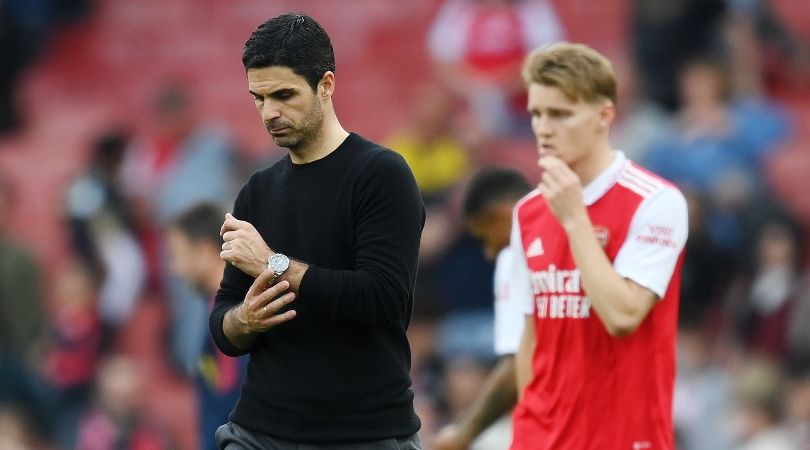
[259,311]
[451,438]
[243,246]
[562,190]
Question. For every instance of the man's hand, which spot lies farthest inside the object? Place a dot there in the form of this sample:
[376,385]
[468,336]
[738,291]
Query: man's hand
[562,190]
[258,312]
[243,246]
[451,438]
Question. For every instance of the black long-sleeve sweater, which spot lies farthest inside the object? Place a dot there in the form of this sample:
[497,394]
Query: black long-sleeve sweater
[338,371]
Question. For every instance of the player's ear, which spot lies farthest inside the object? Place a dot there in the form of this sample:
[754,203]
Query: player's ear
[607,113]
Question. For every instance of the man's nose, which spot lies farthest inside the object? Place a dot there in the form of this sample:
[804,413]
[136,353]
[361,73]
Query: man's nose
[269,111]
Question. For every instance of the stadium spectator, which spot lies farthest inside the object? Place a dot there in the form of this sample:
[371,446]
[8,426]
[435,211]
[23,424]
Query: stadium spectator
[22,314]
[117,420]
[431,146]
[103,234]
[194,246]
[597,225]
[717,150]
[762,299]
[479,45]
[665,35]
[73,348]
[163,174]
[348,212]
[760,411]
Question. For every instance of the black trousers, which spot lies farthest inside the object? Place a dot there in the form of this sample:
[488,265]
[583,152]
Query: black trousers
[233,437]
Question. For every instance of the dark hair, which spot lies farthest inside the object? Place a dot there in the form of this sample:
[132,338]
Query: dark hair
[492,185]
[291,40]
[201,222]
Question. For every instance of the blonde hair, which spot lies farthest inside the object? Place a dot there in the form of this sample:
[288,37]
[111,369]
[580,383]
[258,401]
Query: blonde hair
[579,71]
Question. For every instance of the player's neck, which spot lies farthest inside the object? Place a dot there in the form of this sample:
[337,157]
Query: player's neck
[325,142]
[594,164]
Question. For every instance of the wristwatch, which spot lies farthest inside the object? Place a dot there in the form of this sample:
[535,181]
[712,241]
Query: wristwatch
[278,263]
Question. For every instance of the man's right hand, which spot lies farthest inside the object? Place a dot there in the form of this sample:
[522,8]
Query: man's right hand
[259,311]
[451,438]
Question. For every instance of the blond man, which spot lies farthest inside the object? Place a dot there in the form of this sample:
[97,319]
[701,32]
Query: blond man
[598,251]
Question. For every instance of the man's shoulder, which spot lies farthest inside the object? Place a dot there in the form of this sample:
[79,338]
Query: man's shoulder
[530,202]
[373,157]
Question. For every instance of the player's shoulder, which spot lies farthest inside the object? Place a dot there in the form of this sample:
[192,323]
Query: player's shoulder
[646,184]
[532,198]
[660,197]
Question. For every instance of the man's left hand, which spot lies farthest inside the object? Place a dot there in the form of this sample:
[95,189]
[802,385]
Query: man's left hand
[243,246]
[562,190]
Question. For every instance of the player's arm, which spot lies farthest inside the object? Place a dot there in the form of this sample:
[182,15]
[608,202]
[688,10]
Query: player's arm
[622,292]
[497,398]
[523,359]
[622,304]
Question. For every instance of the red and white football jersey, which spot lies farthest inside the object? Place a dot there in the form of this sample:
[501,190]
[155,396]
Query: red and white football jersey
[590,390]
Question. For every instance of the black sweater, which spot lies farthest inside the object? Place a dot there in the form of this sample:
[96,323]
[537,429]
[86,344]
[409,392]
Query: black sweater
[338,371]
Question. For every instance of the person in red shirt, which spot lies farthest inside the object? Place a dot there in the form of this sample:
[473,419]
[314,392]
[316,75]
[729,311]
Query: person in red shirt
[598,252]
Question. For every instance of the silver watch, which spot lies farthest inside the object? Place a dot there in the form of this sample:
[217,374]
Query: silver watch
[278,263]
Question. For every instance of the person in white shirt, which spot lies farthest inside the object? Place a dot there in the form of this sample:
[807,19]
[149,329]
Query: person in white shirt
[490,197]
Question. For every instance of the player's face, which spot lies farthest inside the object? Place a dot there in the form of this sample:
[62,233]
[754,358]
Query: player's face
[493,228]
[290,110]
[563,128]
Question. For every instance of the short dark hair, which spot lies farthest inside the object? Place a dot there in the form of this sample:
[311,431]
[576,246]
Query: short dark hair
[492,185]
[291,40]
[201,222]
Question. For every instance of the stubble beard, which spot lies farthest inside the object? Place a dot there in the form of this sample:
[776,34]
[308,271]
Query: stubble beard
[308,130]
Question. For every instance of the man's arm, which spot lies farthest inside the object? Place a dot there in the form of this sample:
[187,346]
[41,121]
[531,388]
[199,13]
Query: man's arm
[497,398]
[523,360]
[389,220]
[258,312]
[621,303]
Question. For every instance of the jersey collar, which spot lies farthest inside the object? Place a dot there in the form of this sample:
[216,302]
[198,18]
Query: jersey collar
[605,180]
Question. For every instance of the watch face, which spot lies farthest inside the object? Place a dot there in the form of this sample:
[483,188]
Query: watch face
[278,263]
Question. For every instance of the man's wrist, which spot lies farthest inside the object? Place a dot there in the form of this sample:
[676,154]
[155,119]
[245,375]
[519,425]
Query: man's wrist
[575,224]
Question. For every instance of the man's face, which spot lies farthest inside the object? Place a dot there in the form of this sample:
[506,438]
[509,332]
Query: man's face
[291,111]
[565,129]
[186,258]
[493,228]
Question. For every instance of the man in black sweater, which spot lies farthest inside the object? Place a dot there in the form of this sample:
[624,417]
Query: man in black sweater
[324,326]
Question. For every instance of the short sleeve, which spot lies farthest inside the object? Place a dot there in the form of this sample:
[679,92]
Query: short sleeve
[509,320]
[521,297]
[655,240]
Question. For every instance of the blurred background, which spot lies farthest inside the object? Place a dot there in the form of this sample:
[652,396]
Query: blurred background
[118,116]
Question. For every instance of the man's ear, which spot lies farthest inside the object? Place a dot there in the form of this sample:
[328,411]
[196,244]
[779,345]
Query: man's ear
[326,87]
[607,113]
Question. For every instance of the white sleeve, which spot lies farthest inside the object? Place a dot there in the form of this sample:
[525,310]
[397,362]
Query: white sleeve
[654,241]
[446,37]
[541,25]
[509,320]
[521,295]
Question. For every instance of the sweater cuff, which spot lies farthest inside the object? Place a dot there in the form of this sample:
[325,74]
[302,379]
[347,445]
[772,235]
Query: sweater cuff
[318,286]
[218,334]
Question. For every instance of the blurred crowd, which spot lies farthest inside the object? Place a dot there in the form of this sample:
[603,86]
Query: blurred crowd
[700,103]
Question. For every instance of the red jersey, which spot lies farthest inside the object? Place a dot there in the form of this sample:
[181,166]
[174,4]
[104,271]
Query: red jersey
[591,390]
